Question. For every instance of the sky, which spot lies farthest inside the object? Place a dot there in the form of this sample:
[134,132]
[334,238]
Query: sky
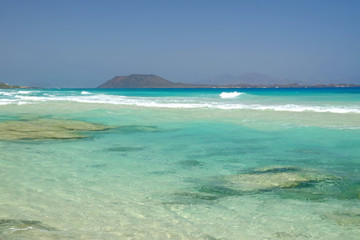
[83,43]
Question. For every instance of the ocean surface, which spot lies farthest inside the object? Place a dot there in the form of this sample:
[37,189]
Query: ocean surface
[180,164]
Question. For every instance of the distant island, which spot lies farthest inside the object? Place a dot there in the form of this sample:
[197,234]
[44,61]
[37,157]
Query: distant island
[154,81]
[5,85]
[8,86]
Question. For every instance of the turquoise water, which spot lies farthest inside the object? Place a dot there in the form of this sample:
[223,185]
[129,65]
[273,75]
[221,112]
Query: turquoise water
[180,164]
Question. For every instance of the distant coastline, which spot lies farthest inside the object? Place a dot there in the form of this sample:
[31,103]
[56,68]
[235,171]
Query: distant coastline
[295,85]
[5,85]
[8,86]
[154,81]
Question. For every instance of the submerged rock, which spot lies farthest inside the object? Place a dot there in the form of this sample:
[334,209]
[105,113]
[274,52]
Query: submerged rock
[289,181]
[43,128]
[343,189]
[13,224]
[274,177]
[344,218]
[286,182]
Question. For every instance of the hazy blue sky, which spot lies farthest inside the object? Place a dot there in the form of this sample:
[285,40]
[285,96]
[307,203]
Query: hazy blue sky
[83,43]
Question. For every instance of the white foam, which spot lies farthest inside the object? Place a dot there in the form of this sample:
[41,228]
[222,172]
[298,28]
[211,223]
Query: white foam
[229,94]
[7,101]
[7,93]
[85,92]
[23,92]
[33,98]
[22,103]
[180,102]
[294,108]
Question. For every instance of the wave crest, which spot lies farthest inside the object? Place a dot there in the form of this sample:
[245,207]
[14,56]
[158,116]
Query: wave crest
[229,94]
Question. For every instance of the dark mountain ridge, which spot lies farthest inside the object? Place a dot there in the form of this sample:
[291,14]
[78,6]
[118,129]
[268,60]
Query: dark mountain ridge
[144,81]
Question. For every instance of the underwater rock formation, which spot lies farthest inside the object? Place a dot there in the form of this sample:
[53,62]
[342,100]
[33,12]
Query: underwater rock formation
[43,128]
[23,224]
[286,181]
[274,177]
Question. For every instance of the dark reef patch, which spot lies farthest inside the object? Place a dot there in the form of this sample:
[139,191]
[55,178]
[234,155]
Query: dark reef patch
[285,181]
[190,163]
[97,165]
[125,149]
[128,129]
[162,172]
[46,128]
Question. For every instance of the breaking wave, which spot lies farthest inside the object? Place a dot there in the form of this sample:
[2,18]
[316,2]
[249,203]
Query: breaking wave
[229,94]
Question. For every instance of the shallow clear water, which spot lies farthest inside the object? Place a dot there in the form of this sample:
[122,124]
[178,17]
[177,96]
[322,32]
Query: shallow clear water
[181,164]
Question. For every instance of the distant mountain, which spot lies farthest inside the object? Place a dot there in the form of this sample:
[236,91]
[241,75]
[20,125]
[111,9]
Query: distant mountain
[144,81]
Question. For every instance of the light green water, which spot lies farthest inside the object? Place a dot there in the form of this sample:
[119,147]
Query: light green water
[179,173]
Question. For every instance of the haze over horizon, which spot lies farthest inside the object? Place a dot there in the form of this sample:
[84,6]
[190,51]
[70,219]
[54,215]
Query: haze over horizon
[85,43]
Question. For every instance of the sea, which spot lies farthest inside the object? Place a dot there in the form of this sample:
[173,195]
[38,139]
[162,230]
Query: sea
[180,164]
